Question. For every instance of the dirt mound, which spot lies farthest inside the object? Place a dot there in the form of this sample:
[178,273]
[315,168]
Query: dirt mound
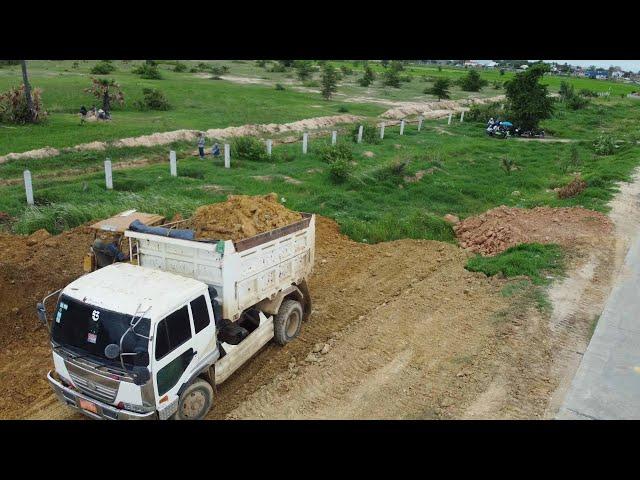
[501,228]
[165,138]
[241,216]
[438,109]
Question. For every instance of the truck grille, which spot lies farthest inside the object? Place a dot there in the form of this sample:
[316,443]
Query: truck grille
[106,394]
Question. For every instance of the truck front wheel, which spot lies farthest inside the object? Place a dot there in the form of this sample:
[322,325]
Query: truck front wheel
[195,401]
[286,325]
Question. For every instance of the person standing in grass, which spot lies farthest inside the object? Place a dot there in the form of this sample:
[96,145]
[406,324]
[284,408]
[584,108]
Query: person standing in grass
[201,142]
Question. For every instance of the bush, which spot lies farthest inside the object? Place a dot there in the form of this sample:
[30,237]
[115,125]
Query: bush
[576,102]
[339,170]
[572,162]
[218,70]
[333,153]
[249,148]
[346,70]
[180,67]
[279,86]
[482,113]
[370,134]
[343,109]
[148,70]
[604,145]
[153,99]
[14,109]
[367,78]
[472,82]
[103,67]
[394,169]
[585,92]
[573,188]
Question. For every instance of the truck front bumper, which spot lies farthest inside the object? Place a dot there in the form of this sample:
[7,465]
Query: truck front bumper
[72,398]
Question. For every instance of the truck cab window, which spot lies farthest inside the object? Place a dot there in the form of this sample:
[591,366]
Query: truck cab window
[200,313]
[173,331]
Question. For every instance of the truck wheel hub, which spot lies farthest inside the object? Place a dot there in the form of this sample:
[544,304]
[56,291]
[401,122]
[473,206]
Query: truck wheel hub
[193,404]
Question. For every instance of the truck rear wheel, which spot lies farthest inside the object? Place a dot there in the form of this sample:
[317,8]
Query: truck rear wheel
[286,325]
[196,401]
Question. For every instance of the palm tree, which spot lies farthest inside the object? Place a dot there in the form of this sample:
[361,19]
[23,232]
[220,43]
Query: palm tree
[27,92]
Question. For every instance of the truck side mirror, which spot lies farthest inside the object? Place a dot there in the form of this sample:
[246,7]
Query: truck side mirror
[42,313]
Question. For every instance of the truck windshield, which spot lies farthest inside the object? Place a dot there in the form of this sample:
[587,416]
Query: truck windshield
[90,329]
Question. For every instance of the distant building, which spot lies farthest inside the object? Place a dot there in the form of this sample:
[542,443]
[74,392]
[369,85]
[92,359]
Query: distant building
[471,63]
[524,67]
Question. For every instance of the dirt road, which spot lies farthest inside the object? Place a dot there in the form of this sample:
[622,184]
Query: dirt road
[399,330]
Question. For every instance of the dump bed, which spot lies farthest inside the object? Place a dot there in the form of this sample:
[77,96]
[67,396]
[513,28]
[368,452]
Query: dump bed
[243,272]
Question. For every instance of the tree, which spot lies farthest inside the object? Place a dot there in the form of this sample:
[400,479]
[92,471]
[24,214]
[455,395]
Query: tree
[31,115]
[440,88]
[304,69]
[367,78]
[329,81]
[527,99]
[391,78]
[106,91]
[472,82]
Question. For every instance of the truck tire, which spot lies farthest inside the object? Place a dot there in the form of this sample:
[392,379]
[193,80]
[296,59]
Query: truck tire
[286,325]
[196,401]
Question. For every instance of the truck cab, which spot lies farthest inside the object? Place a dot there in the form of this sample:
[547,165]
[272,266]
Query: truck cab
[163,326]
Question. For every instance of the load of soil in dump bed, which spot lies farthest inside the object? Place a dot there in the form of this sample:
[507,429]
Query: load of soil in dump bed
[241,216]
[501,228]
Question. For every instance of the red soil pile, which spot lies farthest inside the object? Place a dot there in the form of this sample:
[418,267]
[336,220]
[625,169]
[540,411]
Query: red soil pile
[501,228]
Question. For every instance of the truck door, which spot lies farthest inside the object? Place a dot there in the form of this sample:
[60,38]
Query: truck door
[204,340]
[173,351]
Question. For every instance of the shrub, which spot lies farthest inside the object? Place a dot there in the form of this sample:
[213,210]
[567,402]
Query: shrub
[279,86]
[329,81]
[394,169]
[573,188]
[367,78]
[14,109]
[249,148]
[508,165]
[440,88]
[346,70]
[339,170]
[572,162]
[261,63]
[180,67]
[75,65]
[153,99]
[576,102]
[391,78]
[472,82]
[304,69]
[604,145]
[333,153]
[218,70]
[148,70]
[482,113]
[370,133]
[343,109]
[103,67]
[585,92]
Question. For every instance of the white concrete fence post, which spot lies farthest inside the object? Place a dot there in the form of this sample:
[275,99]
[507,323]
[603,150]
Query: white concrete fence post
[360,128]
[420,119]
[382,132]
[28,186]
[402,127]
[108,176]
[227,155]
[269,147]
[462,116]
[450,117]
[173,164]
[305,142]
[334,137]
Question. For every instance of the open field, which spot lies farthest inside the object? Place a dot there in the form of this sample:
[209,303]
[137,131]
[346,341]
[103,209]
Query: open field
[201,103]
[419,327]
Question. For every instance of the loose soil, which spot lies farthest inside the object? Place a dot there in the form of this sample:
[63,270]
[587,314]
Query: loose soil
[241,216]
[503,227]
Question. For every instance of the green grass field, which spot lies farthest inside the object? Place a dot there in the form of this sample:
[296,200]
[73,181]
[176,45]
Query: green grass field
[461,174]
[201,103]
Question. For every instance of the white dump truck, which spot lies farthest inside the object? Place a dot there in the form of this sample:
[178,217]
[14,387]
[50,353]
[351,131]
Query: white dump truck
[151,338]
